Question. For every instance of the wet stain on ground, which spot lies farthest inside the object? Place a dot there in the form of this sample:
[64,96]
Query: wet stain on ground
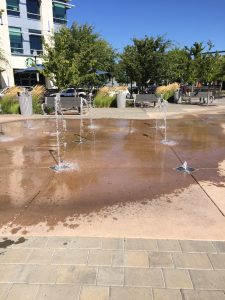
[116,167]
[8,242]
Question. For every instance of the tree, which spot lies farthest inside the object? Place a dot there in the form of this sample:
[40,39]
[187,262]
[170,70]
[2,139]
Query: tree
[204,65]
[143,61]
[73,56]
[176,65]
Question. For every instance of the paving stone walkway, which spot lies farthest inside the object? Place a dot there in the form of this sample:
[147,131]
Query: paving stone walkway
[110,269]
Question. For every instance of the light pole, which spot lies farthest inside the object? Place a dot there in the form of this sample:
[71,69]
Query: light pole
[35,55]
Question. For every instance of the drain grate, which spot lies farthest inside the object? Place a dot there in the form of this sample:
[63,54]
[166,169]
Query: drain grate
[185,168]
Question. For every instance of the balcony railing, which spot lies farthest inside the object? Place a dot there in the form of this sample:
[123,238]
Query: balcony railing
[15,50]
[38,52]
[33,16]
[13,12]
[60,20]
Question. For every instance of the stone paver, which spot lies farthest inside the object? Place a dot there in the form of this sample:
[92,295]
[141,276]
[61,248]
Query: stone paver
[23,292]
[211,280]
[86,243]
[203,295]
[110,269]
[100,258]
[160,260]
[220,246]
[197,246]
[43,274]
[94,293]
[217,260]
[110,276]
[176,279]
[31,242]
[169,246]
[58,242]
[136,259]
[118,258]
[113,244]
[78,275]
[166,294]
[58,292]
[17,256]
[129,293]
[40,256]
[143,277]
[10,273]
[141,244]
[191,261]
[4,289]
[70,257]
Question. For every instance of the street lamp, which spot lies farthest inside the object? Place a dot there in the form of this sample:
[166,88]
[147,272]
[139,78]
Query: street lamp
[35,55]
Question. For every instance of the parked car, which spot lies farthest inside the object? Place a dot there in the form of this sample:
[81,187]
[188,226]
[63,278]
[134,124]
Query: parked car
[71,92]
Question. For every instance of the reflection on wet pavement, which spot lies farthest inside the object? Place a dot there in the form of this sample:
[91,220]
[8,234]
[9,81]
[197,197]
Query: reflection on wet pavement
[122,163]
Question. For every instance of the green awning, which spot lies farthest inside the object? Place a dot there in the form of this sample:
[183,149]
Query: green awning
[59,5]
[15,31]
[13,4]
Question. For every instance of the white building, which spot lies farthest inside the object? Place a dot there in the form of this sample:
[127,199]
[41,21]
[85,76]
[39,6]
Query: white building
[23,23]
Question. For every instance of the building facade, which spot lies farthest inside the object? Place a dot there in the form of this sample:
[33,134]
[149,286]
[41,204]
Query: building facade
[23,24]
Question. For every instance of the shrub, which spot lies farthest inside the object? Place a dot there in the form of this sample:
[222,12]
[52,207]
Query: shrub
[37,97]
[9,102]
[167,90]
[104,101]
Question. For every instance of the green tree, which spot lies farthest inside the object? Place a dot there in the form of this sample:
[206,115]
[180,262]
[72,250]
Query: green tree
[177,65]
[143,61]
[74,54]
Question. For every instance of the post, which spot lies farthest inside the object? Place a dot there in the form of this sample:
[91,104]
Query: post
[35,54]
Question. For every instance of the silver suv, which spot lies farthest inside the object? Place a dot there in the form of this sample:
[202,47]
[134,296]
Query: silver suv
[70,92]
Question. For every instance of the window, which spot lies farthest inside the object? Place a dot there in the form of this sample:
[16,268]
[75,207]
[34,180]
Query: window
[59,13]
[35,41]
[16,40]
[13,8]
[33,9]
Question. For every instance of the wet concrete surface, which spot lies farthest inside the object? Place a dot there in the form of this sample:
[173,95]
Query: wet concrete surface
[123,181]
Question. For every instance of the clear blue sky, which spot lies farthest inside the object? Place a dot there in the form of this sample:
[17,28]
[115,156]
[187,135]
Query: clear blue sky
[184,22]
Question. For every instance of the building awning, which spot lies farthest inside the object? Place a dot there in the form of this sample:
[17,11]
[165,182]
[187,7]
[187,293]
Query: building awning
[62,4]
[31,69]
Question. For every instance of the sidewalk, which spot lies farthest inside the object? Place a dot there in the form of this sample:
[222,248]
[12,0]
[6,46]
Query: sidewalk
[111,269]
[173,111]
